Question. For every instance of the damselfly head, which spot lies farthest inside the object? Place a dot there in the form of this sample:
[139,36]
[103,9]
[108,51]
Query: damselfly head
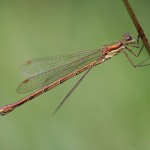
[127,37]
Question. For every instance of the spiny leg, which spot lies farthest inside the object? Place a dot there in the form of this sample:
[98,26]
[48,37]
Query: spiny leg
[136,55]
[136,45]
[141,64]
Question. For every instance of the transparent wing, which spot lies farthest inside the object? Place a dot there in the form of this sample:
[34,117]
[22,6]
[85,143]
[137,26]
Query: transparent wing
[48,77]
[40,65]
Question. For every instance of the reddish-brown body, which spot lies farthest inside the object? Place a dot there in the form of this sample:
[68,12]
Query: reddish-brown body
[104,53]
[113,47]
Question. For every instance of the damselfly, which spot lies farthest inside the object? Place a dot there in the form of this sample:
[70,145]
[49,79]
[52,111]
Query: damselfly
[45,73]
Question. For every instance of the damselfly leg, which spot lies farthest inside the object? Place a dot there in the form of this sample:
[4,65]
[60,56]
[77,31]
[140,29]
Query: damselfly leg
[136,45]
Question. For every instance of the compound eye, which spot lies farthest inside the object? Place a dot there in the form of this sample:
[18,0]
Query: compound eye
[127,37]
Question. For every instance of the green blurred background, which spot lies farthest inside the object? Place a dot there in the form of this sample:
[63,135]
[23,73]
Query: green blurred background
[110,110]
